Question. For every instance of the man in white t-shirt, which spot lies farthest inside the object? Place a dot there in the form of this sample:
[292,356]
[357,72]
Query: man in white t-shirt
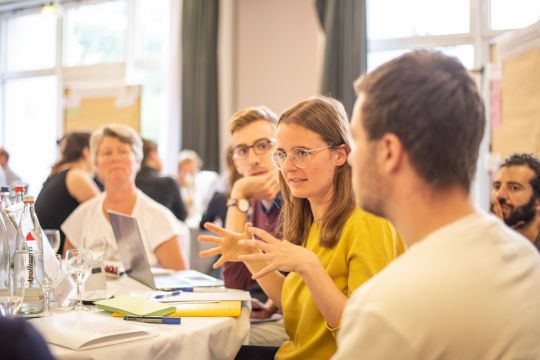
[467,287]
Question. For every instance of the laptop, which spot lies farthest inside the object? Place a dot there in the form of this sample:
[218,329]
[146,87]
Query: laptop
[133,256]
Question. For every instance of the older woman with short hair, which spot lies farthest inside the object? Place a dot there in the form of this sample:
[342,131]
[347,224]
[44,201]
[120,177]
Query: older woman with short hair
[117,153]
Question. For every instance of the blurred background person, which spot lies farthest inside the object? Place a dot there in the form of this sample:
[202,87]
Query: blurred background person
[189,165]
[69,183]
[117,153]
[515,196]
[12,178]
[162,189]
[196,186]
[216,211]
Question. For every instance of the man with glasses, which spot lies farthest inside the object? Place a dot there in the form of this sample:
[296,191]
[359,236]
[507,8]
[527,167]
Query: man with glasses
[254,197]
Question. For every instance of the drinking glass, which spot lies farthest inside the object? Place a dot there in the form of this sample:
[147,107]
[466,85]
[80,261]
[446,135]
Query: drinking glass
[49,280]
[53,236]
[96,246]
[12,285]
[78,266]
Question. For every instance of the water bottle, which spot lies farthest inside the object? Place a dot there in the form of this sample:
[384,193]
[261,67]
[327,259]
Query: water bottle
[4,197]
[19,194]
[29,237]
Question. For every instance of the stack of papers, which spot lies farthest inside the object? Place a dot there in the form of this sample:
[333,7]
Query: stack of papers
[81,330]
[135,306]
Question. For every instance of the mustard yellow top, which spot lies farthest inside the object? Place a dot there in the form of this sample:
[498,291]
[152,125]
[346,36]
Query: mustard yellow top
[367,244]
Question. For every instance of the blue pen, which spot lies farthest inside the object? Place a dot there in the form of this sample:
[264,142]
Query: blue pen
[203,289]
[173,320]
[174,293]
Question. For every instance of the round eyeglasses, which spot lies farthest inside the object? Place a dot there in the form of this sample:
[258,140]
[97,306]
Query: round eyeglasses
[260,147]
[299,156]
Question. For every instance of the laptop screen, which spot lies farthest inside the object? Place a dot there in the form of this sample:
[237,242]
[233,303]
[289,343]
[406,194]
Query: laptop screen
[131,248]
[132,252]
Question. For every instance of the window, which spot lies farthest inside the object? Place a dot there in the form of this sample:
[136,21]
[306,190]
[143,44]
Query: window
[505,14]
[96,33]
[152,31]
[399,19]
[102,42]
[30,139]
[31,42]
[462,28]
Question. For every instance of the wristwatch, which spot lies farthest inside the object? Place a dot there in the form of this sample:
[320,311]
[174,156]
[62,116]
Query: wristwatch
[241,204]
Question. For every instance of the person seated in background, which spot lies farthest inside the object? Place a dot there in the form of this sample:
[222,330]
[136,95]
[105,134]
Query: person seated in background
[162,189]
[331,247]
[467,286]
[117,153]
[189,165]
[515,196]
[21,341]
[12,178]
[69,184]
[217,207]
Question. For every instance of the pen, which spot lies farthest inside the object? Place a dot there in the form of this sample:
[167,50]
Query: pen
[203,289]
[174,293]
[155,319]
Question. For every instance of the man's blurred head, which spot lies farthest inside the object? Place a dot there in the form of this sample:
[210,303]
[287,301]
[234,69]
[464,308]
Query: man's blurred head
[417,116]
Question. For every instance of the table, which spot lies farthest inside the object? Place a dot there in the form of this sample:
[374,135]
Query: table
[196,338]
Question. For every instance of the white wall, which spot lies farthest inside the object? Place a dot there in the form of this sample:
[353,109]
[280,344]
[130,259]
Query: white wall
[276,49]
[277,53]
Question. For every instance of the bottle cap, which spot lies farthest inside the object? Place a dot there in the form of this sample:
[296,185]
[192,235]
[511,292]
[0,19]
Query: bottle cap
[19,188]
[28,198]
[4,189]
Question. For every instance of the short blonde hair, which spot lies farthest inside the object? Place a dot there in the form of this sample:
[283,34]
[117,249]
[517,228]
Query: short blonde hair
[247,116]
[123,133]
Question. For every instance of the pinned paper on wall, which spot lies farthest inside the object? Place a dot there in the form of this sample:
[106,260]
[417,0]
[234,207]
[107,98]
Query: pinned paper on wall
[518,129]
[89,107]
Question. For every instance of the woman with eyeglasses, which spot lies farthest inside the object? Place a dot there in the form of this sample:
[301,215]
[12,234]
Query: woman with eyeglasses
[330,247]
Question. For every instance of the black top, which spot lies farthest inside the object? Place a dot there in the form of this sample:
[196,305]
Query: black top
[20,341]
[217,209]
[54,204]
[162,189]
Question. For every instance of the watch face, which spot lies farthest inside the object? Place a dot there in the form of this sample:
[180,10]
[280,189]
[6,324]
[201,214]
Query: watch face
[243,205]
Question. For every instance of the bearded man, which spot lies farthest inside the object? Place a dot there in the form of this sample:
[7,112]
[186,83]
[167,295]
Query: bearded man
[515,196]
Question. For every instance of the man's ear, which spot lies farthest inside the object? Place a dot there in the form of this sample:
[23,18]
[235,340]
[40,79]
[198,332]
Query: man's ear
[390,153]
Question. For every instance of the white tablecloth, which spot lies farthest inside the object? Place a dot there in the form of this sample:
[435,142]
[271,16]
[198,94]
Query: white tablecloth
[196,338]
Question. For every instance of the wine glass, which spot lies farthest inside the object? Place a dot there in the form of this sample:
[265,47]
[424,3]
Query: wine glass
[49,279]
[78,266]
[97,246]
[53,236]
[12,285]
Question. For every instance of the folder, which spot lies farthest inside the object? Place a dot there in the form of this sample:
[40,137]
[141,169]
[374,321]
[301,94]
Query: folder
[135,306]
[203,309]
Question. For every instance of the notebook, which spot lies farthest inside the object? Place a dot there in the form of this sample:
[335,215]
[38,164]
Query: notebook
[135,306]
[81,330]
[131,250]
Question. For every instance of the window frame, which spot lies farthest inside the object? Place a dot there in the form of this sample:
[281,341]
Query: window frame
[90,74]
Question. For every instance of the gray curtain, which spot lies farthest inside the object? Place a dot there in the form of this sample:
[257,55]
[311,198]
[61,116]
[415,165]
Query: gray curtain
[200,117]
[345,56]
